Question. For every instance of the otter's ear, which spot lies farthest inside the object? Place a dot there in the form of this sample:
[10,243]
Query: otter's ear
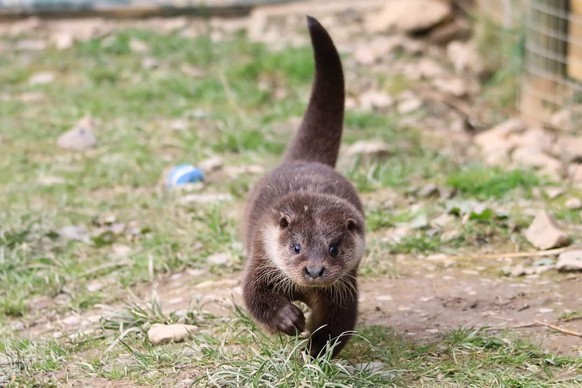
[351,225]
[284,221]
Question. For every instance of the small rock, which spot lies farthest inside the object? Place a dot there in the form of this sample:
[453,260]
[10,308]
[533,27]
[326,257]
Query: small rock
[120,251]
[74,233]
[219,259]
[409,105]
[47,180]
[465,57]
[533,157]
[30,45]
[544,233]
[517,271]
[427,191]
[137,46]
[408,16]
[437,257]
[569,148]
[570,261]
[30,97]
[94,286]
[575,172]
[443,220]
[161,334]
[496,137]
[80,137]
[205,198]
[43,78]
[554,192]
[427,68]
[150,63]
[72,320]
[567,119]
[191,71]
[364,55]
[573,204]
[211,164]
[455,86]
[62,41]
[369,149]
[372,100]
[235,171]
[451,235]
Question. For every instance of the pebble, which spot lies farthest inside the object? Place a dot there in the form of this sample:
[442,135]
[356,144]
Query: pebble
[573,204]
[570,261]
[161,334]
[80,137]
[368,148]
[74,233]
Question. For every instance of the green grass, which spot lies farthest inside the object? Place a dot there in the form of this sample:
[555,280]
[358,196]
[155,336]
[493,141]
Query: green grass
[234,109]
[485,183]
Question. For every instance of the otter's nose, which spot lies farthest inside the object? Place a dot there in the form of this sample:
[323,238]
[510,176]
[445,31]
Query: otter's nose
[314,272]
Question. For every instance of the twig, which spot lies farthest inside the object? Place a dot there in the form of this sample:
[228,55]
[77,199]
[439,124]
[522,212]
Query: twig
[558,328]
[104,267]
[540,323]
[514,255]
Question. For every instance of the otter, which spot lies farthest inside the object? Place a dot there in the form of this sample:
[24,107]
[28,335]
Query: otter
[304,223]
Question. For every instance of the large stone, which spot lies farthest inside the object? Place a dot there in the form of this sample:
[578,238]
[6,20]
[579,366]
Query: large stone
[495,144]
[568,119]
[569,148]
[465,57]
[499,133]
[535,137]
[573,203]
[80,137]
[161,334]
[533,157]
[372,100]
[409,16]
[570,261]
[544,232]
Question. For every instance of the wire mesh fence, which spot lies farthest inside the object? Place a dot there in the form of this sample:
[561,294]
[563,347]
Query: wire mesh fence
[552,67]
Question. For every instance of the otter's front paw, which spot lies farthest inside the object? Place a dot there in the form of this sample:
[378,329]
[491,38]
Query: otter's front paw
[289,319]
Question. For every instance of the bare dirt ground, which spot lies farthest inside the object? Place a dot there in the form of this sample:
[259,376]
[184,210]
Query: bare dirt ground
[423,302]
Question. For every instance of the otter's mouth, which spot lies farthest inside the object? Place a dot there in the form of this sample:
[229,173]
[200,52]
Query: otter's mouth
[317,283]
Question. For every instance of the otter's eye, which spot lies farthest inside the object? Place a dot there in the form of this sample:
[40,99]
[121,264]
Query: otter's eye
[297,249]
[333,251]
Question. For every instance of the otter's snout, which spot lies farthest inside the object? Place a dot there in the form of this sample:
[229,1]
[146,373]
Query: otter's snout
[315,271]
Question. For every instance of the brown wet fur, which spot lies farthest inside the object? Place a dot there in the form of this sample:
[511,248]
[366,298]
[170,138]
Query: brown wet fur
[306,202]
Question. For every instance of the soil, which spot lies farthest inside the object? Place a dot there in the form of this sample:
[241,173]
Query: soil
[425,305]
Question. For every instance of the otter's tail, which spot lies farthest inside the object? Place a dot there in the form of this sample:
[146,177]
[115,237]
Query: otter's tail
[318,138]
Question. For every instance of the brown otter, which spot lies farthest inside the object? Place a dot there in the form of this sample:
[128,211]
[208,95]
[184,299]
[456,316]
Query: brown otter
[304,223]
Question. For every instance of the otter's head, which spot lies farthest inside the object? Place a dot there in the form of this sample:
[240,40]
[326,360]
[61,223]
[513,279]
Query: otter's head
[314,239]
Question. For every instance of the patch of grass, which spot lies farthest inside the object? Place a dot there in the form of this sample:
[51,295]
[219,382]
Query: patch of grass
[153,118]
[484,182]
[418,243]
